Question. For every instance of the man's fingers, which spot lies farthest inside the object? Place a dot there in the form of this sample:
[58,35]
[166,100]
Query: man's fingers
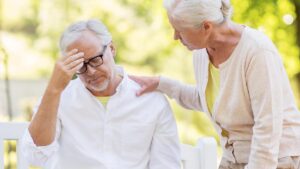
[74,57]
[72,52]
[66,55]
[76,68]
[74,63]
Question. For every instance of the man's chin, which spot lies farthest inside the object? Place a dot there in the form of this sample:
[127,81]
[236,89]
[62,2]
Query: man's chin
[98,88]
[193,48]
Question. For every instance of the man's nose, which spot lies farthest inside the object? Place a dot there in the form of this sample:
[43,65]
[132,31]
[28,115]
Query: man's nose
[90,70]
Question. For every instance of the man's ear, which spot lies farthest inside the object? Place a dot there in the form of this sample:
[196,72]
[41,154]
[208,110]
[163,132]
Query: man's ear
[113,49]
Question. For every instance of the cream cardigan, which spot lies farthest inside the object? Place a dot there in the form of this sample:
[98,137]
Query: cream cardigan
[255,103]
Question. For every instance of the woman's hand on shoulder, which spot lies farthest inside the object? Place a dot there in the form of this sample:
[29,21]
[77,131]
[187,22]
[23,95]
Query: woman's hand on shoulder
[147,83]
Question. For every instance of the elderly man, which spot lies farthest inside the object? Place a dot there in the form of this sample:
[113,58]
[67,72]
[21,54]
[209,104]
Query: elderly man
[96,120]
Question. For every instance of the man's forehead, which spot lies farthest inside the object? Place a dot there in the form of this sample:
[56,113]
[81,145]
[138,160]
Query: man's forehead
[84,41]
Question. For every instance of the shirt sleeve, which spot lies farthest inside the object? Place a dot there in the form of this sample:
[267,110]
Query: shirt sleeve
[185,95]
[265,76]
[165,147]
[39,155]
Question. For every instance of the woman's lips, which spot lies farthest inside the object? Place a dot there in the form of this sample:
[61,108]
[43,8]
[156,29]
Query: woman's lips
[183,42]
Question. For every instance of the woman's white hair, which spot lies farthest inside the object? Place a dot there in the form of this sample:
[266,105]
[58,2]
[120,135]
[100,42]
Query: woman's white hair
[193,12]
[75,30]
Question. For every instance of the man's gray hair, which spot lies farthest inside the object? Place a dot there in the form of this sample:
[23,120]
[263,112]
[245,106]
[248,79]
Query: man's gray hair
[74,31]
[193,12]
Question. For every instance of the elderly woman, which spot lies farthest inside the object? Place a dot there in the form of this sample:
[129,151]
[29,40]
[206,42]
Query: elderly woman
[241,85]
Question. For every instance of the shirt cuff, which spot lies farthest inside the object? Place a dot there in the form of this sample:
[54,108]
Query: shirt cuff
[30,146]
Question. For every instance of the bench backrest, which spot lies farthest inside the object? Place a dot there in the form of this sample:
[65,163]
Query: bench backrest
[201,156]
[12,131]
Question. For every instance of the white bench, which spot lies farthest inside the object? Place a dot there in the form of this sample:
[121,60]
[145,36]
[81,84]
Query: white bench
[12,131]
[202,156]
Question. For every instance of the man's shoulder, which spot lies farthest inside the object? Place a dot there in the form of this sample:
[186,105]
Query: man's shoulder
[155,96]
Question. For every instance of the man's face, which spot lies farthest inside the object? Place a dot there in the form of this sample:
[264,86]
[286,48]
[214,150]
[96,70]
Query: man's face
[192,38]
[96,79]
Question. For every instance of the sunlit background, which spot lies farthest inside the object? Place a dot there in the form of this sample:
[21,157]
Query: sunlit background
[30,30]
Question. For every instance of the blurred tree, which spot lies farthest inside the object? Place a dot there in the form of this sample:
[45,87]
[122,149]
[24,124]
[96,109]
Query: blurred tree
[297,23]
[280,20]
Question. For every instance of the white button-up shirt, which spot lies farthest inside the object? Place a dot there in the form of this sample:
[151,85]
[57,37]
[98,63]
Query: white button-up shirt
[130,133]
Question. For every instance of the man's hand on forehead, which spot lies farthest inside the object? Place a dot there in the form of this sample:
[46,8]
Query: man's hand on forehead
[65,68]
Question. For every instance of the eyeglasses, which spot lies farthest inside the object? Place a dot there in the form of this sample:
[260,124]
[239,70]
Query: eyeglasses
[93,62]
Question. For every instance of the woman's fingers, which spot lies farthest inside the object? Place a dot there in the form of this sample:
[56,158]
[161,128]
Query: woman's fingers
[148,84]
[141,91]
[136,79]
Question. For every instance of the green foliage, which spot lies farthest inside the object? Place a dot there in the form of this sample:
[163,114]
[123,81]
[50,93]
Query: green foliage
[270,16]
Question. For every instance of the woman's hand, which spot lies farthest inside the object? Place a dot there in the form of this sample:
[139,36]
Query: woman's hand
[148,84]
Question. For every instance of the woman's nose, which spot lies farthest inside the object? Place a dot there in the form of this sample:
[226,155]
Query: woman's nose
[176,35]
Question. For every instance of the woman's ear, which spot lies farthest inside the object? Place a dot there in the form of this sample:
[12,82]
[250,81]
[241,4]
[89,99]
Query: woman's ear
[207,26]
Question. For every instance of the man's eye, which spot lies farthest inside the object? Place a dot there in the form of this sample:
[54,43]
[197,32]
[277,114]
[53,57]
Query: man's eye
[95,60]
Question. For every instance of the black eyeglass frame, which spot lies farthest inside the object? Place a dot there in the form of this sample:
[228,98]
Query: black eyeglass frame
[88,62]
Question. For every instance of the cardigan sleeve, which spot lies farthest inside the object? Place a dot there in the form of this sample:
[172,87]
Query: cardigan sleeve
[185,95]
[264,80]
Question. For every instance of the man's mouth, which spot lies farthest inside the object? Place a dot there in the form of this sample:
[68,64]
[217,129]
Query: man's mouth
[96,79]
[93,80]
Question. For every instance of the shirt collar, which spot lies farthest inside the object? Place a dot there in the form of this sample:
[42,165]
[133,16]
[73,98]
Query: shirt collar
[120,71]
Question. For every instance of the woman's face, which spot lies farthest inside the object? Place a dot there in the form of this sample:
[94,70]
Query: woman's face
[192,38]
